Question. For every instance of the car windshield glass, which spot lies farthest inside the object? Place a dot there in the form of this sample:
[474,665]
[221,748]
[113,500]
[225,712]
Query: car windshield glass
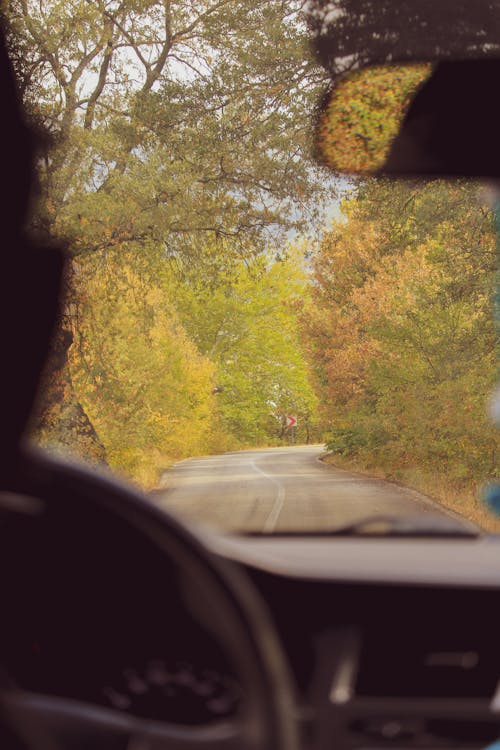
[352,33]
[260,343]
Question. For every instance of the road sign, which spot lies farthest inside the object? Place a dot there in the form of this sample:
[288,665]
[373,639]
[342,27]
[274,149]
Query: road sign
[291,421]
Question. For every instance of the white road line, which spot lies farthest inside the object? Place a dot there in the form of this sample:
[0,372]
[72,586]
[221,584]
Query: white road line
[279,500]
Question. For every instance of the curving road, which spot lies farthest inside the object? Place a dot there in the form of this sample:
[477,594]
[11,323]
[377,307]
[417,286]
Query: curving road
[281,489]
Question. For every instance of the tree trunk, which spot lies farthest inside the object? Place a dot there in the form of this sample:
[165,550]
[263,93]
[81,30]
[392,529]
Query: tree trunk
[60,421]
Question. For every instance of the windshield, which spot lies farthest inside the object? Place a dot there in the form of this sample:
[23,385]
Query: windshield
[261,344]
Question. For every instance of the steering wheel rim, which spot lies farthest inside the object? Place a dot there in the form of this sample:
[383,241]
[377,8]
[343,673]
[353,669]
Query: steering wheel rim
[53,723]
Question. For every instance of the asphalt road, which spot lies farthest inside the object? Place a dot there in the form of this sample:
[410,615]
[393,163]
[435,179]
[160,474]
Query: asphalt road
[281,489]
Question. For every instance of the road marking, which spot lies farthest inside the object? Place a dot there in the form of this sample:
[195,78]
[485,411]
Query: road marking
[279,500]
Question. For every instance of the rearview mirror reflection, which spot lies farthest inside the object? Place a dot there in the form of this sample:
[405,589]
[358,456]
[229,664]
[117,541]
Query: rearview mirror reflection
[360,117]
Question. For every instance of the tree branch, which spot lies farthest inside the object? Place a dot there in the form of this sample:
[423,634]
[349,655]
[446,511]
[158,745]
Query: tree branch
[103,73]
[155,72]
[192,26]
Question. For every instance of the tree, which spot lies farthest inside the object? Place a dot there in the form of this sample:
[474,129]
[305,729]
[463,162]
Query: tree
[247,324]
[173,120]
[144,384]
[400,329]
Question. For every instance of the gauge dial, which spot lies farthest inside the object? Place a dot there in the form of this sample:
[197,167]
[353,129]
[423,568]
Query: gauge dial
[178,691]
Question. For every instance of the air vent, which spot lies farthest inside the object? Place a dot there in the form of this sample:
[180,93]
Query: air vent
[425,665]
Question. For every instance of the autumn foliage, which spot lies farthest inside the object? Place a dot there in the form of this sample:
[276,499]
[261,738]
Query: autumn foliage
[400,329]
[176,167]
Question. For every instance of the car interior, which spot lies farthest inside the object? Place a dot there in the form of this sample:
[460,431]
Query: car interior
[173,637]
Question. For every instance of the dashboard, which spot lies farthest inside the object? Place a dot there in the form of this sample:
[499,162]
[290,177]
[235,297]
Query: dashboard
[391,644]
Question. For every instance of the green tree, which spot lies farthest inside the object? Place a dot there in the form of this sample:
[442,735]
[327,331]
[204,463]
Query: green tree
[171,121]
[247,324]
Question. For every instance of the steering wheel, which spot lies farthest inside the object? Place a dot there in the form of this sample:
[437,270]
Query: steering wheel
[219,595]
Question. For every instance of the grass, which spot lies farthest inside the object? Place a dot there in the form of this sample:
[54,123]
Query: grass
[459,496]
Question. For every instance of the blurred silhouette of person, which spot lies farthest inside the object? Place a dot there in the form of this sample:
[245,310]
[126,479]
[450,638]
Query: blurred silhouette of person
[30,274]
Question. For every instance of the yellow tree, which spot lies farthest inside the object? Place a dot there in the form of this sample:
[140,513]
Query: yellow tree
[141,379]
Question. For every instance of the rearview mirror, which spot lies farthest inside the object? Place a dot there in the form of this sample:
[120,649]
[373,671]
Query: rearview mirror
[435,120]
[360,117]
